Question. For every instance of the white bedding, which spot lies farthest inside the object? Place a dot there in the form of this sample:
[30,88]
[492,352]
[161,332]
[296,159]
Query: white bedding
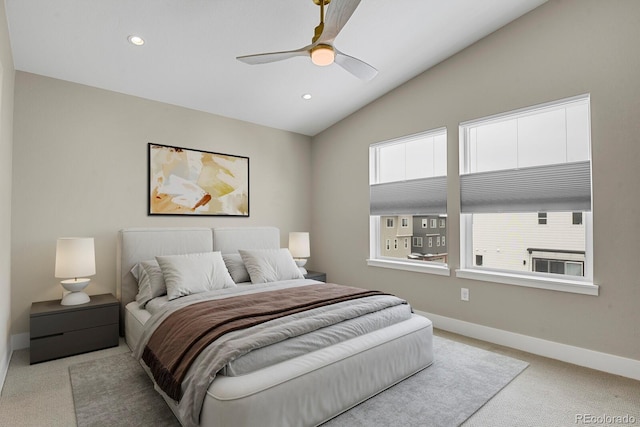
[282,339]
[295,346]
[294,392]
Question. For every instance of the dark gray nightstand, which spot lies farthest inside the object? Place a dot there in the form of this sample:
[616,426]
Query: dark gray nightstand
[63,330]
[316,275]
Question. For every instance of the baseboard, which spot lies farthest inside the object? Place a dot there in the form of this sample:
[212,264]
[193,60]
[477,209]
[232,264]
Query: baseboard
[605,362]
[15,342]
[4,367]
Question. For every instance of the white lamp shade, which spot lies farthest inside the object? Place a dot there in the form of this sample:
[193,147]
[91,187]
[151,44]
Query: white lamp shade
[299,244]
[75,257]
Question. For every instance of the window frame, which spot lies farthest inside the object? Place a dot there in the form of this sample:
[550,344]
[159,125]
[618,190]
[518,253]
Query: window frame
[375,257]
[468,269]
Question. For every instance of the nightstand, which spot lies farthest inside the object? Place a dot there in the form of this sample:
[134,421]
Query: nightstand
[316,275]
[64,330]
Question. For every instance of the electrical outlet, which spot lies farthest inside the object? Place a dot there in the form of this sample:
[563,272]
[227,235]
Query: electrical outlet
[464,294]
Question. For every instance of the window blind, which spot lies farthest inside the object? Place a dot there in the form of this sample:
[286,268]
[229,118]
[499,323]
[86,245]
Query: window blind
[412,197]
[558,187]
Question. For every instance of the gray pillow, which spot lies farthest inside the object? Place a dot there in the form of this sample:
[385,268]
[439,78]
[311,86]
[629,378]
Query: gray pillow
[150,281]
[194,273]
[236,268]
[270,265]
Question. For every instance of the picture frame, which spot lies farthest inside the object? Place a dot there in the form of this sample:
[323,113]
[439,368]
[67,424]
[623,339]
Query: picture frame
[186,181]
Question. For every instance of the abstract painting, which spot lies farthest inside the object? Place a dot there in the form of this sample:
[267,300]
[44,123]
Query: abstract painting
[183,181]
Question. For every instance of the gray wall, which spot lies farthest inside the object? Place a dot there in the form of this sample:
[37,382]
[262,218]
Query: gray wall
[6,143]
[80,169]
[561,49]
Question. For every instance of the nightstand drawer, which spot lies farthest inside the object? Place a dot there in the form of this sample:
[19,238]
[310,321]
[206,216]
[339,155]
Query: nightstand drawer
[316,275]
[54,324]
[74,342]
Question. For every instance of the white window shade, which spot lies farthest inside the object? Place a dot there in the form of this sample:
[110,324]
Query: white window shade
[548,188]
[413,197]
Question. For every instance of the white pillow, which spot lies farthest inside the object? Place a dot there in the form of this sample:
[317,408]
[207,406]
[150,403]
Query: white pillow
[194,273]
[236,268]
[150,281]
[270,265]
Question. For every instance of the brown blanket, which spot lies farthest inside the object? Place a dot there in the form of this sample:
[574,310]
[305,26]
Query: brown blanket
[184,334]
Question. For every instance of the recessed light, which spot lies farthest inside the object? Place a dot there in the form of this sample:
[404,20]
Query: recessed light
[306,96]
[136,40]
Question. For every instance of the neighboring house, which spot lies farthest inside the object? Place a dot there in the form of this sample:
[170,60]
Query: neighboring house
[395,236]
[430,237]
[422,237]
[551,242]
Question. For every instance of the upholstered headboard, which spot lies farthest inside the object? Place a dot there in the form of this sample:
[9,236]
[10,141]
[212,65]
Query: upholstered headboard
[230,239]
[141,244]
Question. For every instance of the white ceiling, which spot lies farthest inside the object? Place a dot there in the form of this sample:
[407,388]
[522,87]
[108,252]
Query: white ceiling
[191,46]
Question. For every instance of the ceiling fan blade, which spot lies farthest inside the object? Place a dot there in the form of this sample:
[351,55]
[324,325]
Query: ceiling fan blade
[338,13]
[358,68]
[264,58]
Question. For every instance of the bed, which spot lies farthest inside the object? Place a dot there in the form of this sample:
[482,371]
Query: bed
[305,390]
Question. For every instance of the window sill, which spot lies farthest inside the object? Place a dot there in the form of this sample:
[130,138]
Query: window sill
[562,285]
[442,270]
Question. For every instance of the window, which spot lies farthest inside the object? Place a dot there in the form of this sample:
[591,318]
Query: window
[390,223]
[406,243]
[542,218]
[558,266]
[523,169]
[408,178]
[576,218]
[395,244]
[404,223]
[444,240]
[443,223]
[430,242]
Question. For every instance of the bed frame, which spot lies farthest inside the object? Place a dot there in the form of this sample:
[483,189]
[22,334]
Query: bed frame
[307,390]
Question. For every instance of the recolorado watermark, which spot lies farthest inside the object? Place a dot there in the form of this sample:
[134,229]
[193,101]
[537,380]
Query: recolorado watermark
[605,419]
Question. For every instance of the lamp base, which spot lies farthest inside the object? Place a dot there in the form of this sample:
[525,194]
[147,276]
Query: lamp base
[75,298]
[75,295]
[300,262]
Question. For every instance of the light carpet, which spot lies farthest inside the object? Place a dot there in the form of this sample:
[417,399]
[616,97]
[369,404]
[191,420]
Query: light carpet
[115,391]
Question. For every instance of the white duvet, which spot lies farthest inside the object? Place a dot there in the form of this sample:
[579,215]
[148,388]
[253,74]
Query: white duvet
[244,351]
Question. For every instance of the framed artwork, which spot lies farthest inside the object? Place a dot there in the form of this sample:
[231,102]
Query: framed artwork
[183,181]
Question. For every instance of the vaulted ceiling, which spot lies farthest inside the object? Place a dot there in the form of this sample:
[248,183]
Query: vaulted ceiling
[190,50]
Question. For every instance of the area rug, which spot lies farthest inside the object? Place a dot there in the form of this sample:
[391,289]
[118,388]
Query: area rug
[115,391]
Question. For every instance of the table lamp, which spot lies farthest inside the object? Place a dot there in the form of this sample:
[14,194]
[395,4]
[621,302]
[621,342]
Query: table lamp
[299,248]
[75,257]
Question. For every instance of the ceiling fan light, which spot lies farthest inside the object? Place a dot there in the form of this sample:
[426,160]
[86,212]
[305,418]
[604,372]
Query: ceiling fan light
[136,40]
[322,55]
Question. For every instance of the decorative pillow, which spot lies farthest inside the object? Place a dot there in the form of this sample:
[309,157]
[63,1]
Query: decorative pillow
[236,268]
[150,281]
[270,265]
[194,273]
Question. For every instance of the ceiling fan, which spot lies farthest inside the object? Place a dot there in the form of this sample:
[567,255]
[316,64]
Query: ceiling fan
[321,50]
